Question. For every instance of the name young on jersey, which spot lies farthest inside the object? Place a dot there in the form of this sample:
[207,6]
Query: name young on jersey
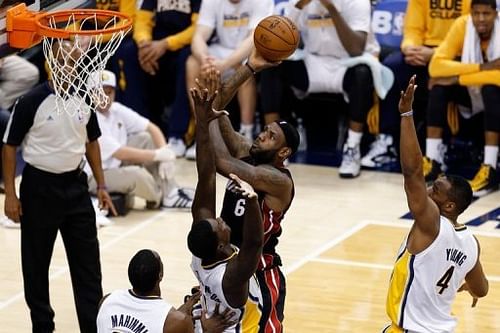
[132,324]
[456,256]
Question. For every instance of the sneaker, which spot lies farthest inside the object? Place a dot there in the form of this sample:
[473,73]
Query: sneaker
[177,145]
[101,219]
[191,153]
[351,162]
[381,152]
[188,191]
[432,169]
[485,181]
[9,224]
[177,199]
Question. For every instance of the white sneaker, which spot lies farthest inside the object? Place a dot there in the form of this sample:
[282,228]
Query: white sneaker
[178,198]
[101,216]
[351,162]
[381,152]
[177,145]
[191,153]
[9,224]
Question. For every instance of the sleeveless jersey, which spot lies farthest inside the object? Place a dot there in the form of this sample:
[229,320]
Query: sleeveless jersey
[210,279]
[124,312]
[423,286]
[233,211]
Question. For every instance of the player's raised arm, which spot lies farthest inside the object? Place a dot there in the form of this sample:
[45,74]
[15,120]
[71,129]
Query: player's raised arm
[424,210]
[204,198]
[241,269]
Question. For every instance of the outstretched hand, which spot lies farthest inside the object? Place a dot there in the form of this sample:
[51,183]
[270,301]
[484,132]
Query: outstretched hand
[210,79]
[406,100]
[242,187]
[202,101]
[258,62]
[218,322]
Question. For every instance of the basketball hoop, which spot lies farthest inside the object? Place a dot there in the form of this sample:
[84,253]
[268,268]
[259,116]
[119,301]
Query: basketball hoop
[77,43]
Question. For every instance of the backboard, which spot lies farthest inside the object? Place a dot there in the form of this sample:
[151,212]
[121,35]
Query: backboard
[36,5]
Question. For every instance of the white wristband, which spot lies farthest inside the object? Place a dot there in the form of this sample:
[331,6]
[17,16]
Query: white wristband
[407,114]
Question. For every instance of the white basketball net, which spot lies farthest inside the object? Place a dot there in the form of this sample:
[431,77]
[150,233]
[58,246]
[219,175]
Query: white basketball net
[72,61]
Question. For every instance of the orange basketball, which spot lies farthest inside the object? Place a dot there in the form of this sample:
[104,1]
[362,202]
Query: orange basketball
[276,37]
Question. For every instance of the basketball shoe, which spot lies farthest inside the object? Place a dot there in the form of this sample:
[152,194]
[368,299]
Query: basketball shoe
[178,198]
[485,181]
[351,162]
[381,152]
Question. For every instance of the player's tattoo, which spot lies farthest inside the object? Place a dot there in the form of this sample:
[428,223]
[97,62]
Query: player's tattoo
[229,87]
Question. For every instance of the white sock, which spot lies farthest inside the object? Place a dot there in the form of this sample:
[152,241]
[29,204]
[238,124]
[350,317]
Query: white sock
[353,138]
[491,156]
[432,147]
[247,131]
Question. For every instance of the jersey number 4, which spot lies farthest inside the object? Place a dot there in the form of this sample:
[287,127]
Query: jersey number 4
[445,279]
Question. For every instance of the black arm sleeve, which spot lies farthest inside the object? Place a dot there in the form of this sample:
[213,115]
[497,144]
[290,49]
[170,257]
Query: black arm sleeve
[93,130]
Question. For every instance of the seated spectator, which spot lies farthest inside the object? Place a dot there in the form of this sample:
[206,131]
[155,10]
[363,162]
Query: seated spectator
[143,309]
[331,33]
[233,22]
[425,26]
[474,82]
[17,77]
[135,155]
[163,31]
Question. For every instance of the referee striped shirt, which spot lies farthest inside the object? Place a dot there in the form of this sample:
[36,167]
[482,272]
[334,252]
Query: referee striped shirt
[51,141]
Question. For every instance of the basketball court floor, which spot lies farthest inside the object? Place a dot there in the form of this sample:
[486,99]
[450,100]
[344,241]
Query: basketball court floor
[339,242]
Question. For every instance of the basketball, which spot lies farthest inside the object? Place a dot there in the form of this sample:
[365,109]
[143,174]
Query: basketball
[276,38]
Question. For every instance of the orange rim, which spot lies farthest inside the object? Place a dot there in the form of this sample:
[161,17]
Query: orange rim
[61,16]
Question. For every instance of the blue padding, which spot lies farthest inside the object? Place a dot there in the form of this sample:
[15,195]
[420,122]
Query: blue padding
[387,22]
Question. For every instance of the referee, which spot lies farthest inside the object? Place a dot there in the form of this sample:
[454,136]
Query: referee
[54,197]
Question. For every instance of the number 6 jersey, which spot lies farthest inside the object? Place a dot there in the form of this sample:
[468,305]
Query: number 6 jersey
[423,286]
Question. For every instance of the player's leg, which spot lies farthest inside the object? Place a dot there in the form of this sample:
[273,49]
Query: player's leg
[40,199]
[79,234]
[247,99]
[272,286]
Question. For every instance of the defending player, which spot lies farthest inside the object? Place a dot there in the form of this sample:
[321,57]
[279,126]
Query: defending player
[439,253]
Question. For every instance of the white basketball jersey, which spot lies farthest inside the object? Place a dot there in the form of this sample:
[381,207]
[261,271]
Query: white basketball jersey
[210,279]
[123,312]
[423,286]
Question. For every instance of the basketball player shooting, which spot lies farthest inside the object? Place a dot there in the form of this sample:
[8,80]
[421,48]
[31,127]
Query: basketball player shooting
[439,253]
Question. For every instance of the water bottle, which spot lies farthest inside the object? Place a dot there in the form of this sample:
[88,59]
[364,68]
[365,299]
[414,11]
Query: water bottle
[303,135]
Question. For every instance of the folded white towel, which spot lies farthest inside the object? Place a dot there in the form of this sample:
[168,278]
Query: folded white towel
[383,77]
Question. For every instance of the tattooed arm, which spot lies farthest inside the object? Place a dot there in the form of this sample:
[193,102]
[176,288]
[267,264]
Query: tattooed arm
[237,144]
